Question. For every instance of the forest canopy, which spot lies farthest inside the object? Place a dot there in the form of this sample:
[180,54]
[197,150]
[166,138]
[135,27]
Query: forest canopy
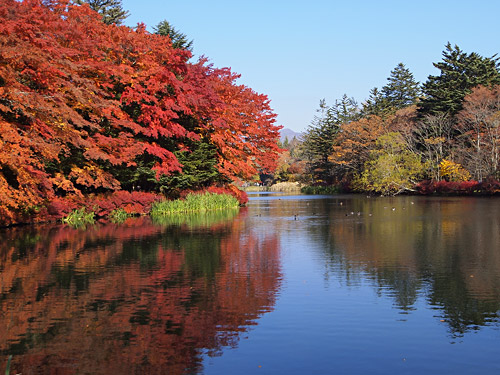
[89,107]
[440,136]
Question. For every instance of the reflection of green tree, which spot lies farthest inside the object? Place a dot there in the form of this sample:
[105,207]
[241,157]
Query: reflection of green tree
[424,249]
[461,311]
[144,252]
[193,232]
[201,250]
[404,284]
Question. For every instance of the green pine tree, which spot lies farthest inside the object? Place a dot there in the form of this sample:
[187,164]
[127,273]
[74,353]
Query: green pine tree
[376,103]
[179,40]
[459,73]
[401,91]
[286,143]
[199,169]
[111,10]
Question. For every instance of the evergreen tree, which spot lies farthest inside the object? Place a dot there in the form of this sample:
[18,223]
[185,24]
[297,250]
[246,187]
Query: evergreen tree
[179,40]
[401,91]
[111,10]
[199,170]
[320,136]
[460,72]
[376,103]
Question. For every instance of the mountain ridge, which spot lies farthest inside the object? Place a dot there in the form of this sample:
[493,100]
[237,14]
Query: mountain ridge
[289,133]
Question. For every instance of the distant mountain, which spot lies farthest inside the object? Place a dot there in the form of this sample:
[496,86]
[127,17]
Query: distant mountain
[288,133]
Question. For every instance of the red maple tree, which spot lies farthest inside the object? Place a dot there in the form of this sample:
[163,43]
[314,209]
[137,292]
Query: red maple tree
[82,102]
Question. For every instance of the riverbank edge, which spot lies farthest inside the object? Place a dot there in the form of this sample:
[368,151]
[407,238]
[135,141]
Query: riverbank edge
[116,205]
[488,187]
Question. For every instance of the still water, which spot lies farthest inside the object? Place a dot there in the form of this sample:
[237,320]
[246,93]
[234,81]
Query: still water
[288,285]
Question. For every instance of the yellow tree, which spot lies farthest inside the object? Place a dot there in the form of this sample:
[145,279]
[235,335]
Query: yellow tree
[392,168]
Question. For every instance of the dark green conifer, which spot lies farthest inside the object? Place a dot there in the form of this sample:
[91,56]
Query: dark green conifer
[179,40]
[111,10]
[320,136]
[459,73]
[401,91]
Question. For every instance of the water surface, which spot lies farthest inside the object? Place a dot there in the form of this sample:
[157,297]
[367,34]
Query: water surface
[291,284]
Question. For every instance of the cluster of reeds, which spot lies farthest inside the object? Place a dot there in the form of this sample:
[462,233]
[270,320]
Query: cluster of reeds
[194,203]
[118,215]
[79,218]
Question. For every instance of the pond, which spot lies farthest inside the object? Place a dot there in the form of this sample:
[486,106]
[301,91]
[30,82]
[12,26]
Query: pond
[290,284]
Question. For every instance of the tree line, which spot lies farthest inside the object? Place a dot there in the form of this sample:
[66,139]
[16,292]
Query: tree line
[408,135]
[89,106]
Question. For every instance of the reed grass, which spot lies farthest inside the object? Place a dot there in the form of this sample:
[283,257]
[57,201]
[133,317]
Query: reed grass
[7,370]
[194,203]
[79,218]
[118,216]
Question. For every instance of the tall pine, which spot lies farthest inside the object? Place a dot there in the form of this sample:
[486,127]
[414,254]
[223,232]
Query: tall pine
[401,91]
[459,73]
[111,10]
[179,40]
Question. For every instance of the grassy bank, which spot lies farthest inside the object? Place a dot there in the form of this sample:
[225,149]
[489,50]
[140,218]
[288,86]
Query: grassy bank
[195,203]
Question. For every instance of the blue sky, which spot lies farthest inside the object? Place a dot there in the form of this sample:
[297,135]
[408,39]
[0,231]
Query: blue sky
[298,52]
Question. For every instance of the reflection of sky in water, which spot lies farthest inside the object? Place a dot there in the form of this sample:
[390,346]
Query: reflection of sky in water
[355,303]
[293,284]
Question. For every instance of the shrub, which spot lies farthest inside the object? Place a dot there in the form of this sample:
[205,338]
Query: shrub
[452,171]
[286,187]
[448,187]
[102,205]
[490,186]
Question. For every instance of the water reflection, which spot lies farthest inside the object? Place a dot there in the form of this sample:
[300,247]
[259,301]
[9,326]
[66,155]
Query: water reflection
[443,250]
[136,297]
[410,273]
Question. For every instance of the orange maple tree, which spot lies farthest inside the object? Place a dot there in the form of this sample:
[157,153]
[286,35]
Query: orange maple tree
[83,103]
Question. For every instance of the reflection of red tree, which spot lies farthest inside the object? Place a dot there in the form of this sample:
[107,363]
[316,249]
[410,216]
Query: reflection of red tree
[128,318]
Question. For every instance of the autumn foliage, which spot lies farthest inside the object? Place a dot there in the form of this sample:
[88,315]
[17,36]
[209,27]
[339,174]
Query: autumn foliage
[486,187]
[87,107]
